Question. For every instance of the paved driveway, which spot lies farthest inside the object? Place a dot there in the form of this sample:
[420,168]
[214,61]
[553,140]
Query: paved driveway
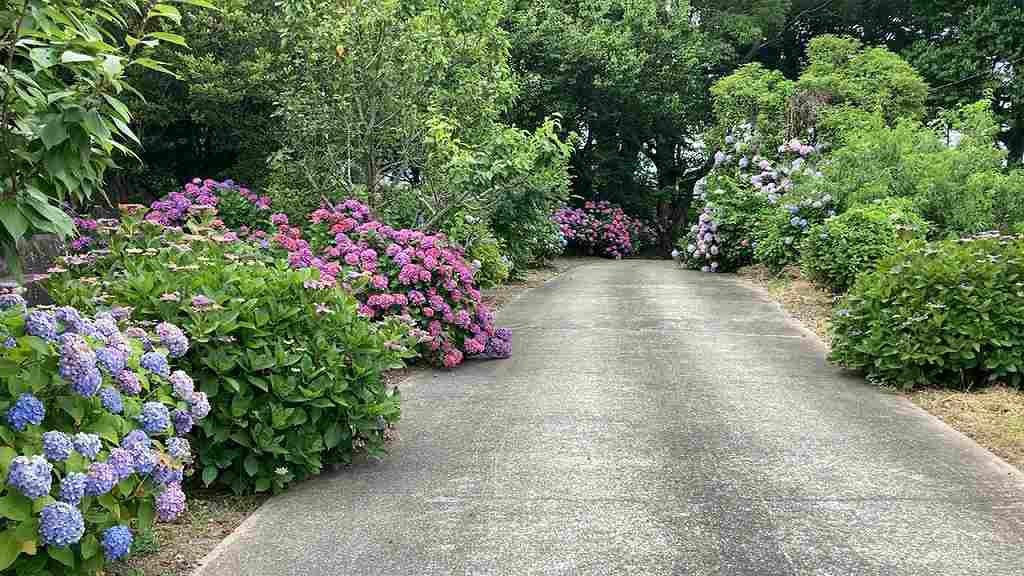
[652,421]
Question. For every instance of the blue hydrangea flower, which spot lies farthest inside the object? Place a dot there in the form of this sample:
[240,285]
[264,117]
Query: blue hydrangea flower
[87,445]
[182,420]
[179,449]
[122,462]
[100,479]
[32,476]
[165,474]
[111,400]
[156,363]
[56,446]
[85,327]
[116,542]
[41,324]
[87,383]
[155,417]
[136,438]
[60,524]
[8,301]
[200,405]
[182,385]
[128,382]
[170,503]
[9,342]
[145,459]
[72,488]
[110,360]
[118,342]
[27,409]
[68,316]
[106,324]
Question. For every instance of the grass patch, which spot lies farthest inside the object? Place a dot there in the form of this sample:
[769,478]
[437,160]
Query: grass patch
[175,549]
[993,417]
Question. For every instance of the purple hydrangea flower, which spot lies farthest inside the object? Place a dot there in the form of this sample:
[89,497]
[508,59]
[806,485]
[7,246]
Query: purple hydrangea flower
[182,385]
[100,479]
[27,409]
[179,449]
[128,382]
[87,445]
[57,446]
[165,474]
[9,342]
[116,542]
[68,316]
[72,488]
[156,363]
[106,324]
[136,438]
[173,338]
[41,324]
[110,360]
[60,524]
[110,398]
[122,462]
[170,503]
[144,458]
[154,418]
[87,383]
[8,301]
[182,420]
[32,476]
[200,405]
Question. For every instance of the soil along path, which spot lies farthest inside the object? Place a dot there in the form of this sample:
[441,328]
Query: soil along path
[652,421]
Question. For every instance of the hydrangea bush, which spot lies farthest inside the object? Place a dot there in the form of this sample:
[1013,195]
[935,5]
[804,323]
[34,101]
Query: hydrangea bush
[239,208]
[939,313]
[292,373]
[92,435]
[755,206]
[835,252]
[601,228]
[398,273]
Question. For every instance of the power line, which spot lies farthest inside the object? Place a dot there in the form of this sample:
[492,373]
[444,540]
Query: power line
[974,76]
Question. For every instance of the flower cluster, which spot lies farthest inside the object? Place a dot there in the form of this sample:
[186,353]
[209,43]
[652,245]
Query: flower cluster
[203,195]
[772,176]
[83,455]
[410,274]
[601,227]
[705,246]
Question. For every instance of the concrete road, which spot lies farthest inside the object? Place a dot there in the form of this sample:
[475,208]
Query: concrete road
[652,421]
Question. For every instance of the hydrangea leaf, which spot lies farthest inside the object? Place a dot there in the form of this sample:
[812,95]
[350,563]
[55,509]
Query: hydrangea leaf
[9,548]
[62,554]
[15,507]
[90,546]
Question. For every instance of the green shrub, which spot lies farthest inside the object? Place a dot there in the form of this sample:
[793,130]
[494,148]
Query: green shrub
[482,249]
[730,213]
[780,232]
[1008,199]
[835,252]
[92,445]
[941,313]
[293,372]
[951,186]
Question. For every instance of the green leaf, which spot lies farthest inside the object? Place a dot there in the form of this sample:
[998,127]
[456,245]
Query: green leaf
[252,465]
[10,548]
[13,220]
[169,37]
[15,507]
[54,132]
[119,107]
[90,546]
[145,515]
[209,474]
[71,57]
[199,3]
[62,554]
[165,11]
[332,436]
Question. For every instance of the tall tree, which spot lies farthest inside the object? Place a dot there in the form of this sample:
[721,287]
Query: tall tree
[632,78]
